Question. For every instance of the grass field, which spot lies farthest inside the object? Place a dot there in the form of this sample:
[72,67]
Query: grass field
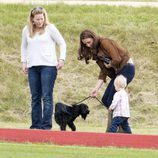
[31,1]
[81,126]
[14,150]
[135,28]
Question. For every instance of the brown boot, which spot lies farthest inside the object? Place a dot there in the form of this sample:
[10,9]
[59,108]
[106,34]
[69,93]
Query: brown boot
[110,114]
[109,121]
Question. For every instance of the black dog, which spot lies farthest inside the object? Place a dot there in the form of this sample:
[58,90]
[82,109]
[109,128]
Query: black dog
[65,115]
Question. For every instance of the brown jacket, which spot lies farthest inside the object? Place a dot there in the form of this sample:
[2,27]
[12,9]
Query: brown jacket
[120,56]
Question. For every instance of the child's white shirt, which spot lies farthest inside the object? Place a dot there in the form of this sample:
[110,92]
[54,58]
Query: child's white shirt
[120,104]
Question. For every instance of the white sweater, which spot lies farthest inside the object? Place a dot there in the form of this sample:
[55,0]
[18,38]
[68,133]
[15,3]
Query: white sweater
[41,49]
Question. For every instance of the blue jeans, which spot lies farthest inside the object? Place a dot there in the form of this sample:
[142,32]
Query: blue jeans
[120,121]
[41,82]
[128,71]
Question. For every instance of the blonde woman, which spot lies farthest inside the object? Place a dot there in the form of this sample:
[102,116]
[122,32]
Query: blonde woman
[120,106]
[39,61]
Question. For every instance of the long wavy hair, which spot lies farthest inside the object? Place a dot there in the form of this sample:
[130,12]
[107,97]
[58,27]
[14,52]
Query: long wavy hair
[85,52]
[30,23]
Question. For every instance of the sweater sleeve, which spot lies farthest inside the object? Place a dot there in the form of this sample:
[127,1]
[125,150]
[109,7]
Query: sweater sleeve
[57,37]
[24,45]
[102,76]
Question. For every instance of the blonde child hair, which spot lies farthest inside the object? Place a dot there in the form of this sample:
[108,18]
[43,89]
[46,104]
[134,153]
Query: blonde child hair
[120,82]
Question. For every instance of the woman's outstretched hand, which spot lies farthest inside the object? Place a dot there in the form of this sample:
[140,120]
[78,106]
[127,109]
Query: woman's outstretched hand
[94,93]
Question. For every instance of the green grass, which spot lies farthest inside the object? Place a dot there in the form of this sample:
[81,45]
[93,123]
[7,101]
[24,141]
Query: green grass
[110,0]
[81,126]
[12,150]
[135,28]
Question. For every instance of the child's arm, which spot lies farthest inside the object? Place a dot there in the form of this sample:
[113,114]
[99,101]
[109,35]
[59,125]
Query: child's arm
[110,109]
[115,100]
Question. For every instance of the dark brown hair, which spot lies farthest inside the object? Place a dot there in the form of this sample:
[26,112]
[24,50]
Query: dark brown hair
[85,52]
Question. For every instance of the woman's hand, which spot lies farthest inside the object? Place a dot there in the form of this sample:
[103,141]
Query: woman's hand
[94,93]
[24,68]
[60,64]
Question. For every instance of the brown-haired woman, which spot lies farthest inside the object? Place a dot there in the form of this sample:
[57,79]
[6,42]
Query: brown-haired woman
[99,49]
